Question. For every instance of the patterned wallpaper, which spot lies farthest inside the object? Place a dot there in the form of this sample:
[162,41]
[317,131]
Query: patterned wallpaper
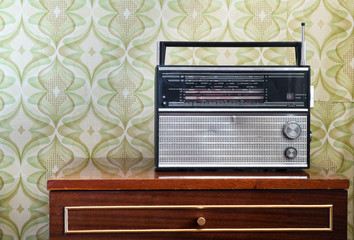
[77,77]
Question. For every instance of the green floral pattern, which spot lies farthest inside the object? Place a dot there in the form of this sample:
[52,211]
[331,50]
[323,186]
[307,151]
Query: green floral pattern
[77,80]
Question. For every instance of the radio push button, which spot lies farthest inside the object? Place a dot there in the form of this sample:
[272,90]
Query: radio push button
[291,152]
[291,130]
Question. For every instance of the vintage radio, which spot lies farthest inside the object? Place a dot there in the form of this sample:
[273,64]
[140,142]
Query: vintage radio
[232,116]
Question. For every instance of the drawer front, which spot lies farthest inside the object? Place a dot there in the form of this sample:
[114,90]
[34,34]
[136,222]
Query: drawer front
[228,214]
[197,218]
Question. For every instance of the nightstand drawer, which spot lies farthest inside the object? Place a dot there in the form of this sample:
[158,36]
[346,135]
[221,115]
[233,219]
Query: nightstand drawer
[197,218]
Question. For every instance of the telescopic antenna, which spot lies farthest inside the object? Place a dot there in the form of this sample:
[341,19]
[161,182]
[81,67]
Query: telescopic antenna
[303,46]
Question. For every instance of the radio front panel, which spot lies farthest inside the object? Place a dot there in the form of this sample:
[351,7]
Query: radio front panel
[225,116]
[232,140]
[232,117]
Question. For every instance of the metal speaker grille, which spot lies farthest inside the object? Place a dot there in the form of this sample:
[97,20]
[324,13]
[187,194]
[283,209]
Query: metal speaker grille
[229,141]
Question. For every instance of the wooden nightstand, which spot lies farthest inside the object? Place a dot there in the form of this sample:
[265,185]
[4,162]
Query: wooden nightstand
[127,199]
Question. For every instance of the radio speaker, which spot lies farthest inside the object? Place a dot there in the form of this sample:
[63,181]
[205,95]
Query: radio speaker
[232,140]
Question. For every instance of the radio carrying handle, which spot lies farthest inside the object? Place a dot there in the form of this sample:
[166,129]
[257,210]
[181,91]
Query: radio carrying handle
[162,45]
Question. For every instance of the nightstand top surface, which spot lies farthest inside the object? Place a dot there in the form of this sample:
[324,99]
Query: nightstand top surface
[138,174]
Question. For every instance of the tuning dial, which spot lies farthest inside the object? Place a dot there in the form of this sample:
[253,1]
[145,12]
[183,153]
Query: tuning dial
[291,130]
[291,152]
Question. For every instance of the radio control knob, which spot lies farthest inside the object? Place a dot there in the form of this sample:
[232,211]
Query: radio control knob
[291,130]
[291,152]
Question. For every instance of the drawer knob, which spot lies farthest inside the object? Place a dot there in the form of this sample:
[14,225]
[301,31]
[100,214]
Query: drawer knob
[201,221]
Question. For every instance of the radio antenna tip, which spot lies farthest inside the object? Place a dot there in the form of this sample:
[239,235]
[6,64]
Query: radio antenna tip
[303,24]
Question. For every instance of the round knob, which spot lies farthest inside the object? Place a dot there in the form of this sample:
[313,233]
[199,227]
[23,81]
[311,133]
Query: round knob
[291,130]
[291,152]
[201,221]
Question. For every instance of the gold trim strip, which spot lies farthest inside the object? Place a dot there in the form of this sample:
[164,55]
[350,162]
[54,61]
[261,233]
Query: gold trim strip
[66,220]
[67,231]
[331,217]
[196,206]
[200,230]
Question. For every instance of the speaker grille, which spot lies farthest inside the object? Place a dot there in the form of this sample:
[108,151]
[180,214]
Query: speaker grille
[229,141]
